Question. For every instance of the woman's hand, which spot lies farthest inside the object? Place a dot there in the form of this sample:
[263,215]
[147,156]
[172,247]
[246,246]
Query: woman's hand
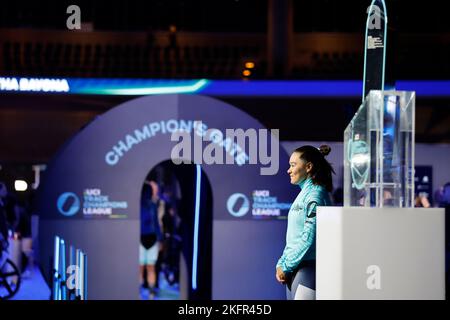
[281,277]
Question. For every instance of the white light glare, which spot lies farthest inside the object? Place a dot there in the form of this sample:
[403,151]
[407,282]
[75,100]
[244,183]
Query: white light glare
[20,185]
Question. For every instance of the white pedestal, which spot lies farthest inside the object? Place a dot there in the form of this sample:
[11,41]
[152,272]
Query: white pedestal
[380,253]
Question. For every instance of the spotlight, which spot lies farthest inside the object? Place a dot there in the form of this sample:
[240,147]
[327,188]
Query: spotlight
[246,73]
[20,185]
[249,65]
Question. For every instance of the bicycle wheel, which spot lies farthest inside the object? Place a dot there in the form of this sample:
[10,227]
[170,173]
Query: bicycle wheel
[9,280]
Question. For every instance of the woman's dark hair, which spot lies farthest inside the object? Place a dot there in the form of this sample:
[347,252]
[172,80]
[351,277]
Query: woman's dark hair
[321,168]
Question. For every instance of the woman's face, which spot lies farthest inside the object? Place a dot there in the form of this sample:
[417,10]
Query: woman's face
[298,168]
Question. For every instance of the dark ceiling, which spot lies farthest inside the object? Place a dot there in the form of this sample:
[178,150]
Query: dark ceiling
[33,127]
[224,15]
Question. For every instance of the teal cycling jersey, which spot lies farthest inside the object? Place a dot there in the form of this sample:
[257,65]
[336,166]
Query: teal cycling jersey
[301,228]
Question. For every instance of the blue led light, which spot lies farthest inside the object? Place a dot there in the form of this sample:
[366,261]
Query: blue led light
[219,88]
[56,269]
[63,270]
[142,87]
[196,223]
[425,88]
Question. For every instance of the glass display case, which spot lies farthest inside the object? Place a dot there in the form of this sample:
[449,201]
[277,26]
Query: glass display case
[379,151]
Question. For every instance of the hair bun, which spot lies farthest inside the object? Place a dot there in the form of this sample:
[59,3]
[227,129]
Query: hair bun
[324,149]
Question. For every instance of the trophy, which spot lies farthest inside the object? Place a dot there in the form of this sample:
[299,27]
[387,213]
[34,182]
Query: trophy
[378,246]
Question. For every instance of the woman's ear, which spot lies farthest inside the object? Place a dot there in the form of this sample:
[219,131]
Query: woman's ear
[309,167]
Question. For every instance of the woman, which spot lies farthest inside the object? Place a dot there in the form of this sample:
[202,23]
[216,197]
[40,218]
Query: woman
[296,268]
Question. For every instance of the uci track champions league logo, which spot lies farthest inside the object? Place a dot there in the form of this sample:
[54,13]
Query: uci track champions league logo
[94,204]
[238,205]
[263,206]
[68,204]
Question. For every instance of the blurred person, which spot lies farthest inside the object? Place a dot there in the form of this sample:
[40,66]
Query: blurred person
[9,212]
[160,203]
[171,220]
[338,197]
[24,234]
[444,202]
[10,207]
[296,267]
[151,237]
[421,201]
[18,226]
[172,244]
[388,198]
[437,196]
[3,226]
[444,198]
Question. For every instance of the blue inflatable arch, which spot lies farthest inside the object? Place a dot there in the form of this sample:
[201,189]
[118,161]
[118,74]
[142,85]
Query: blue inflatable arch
[90,196]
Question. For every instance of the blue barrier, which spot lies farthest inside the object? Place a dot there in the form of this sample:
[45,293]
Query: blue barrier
[75,286]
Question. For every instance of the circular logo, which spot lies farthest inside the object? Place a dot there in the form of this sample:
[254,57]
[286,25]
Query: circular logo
[68,204]
[242,209]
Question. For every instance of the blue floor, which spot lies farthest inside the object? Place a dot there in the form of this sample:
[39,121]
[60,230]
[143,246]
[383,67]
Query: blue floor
[33,287]
[165,291]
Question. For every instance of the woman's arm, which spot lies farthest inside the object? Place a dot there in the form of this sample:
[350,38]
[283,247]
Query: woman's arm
[290,260]
[281,260]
